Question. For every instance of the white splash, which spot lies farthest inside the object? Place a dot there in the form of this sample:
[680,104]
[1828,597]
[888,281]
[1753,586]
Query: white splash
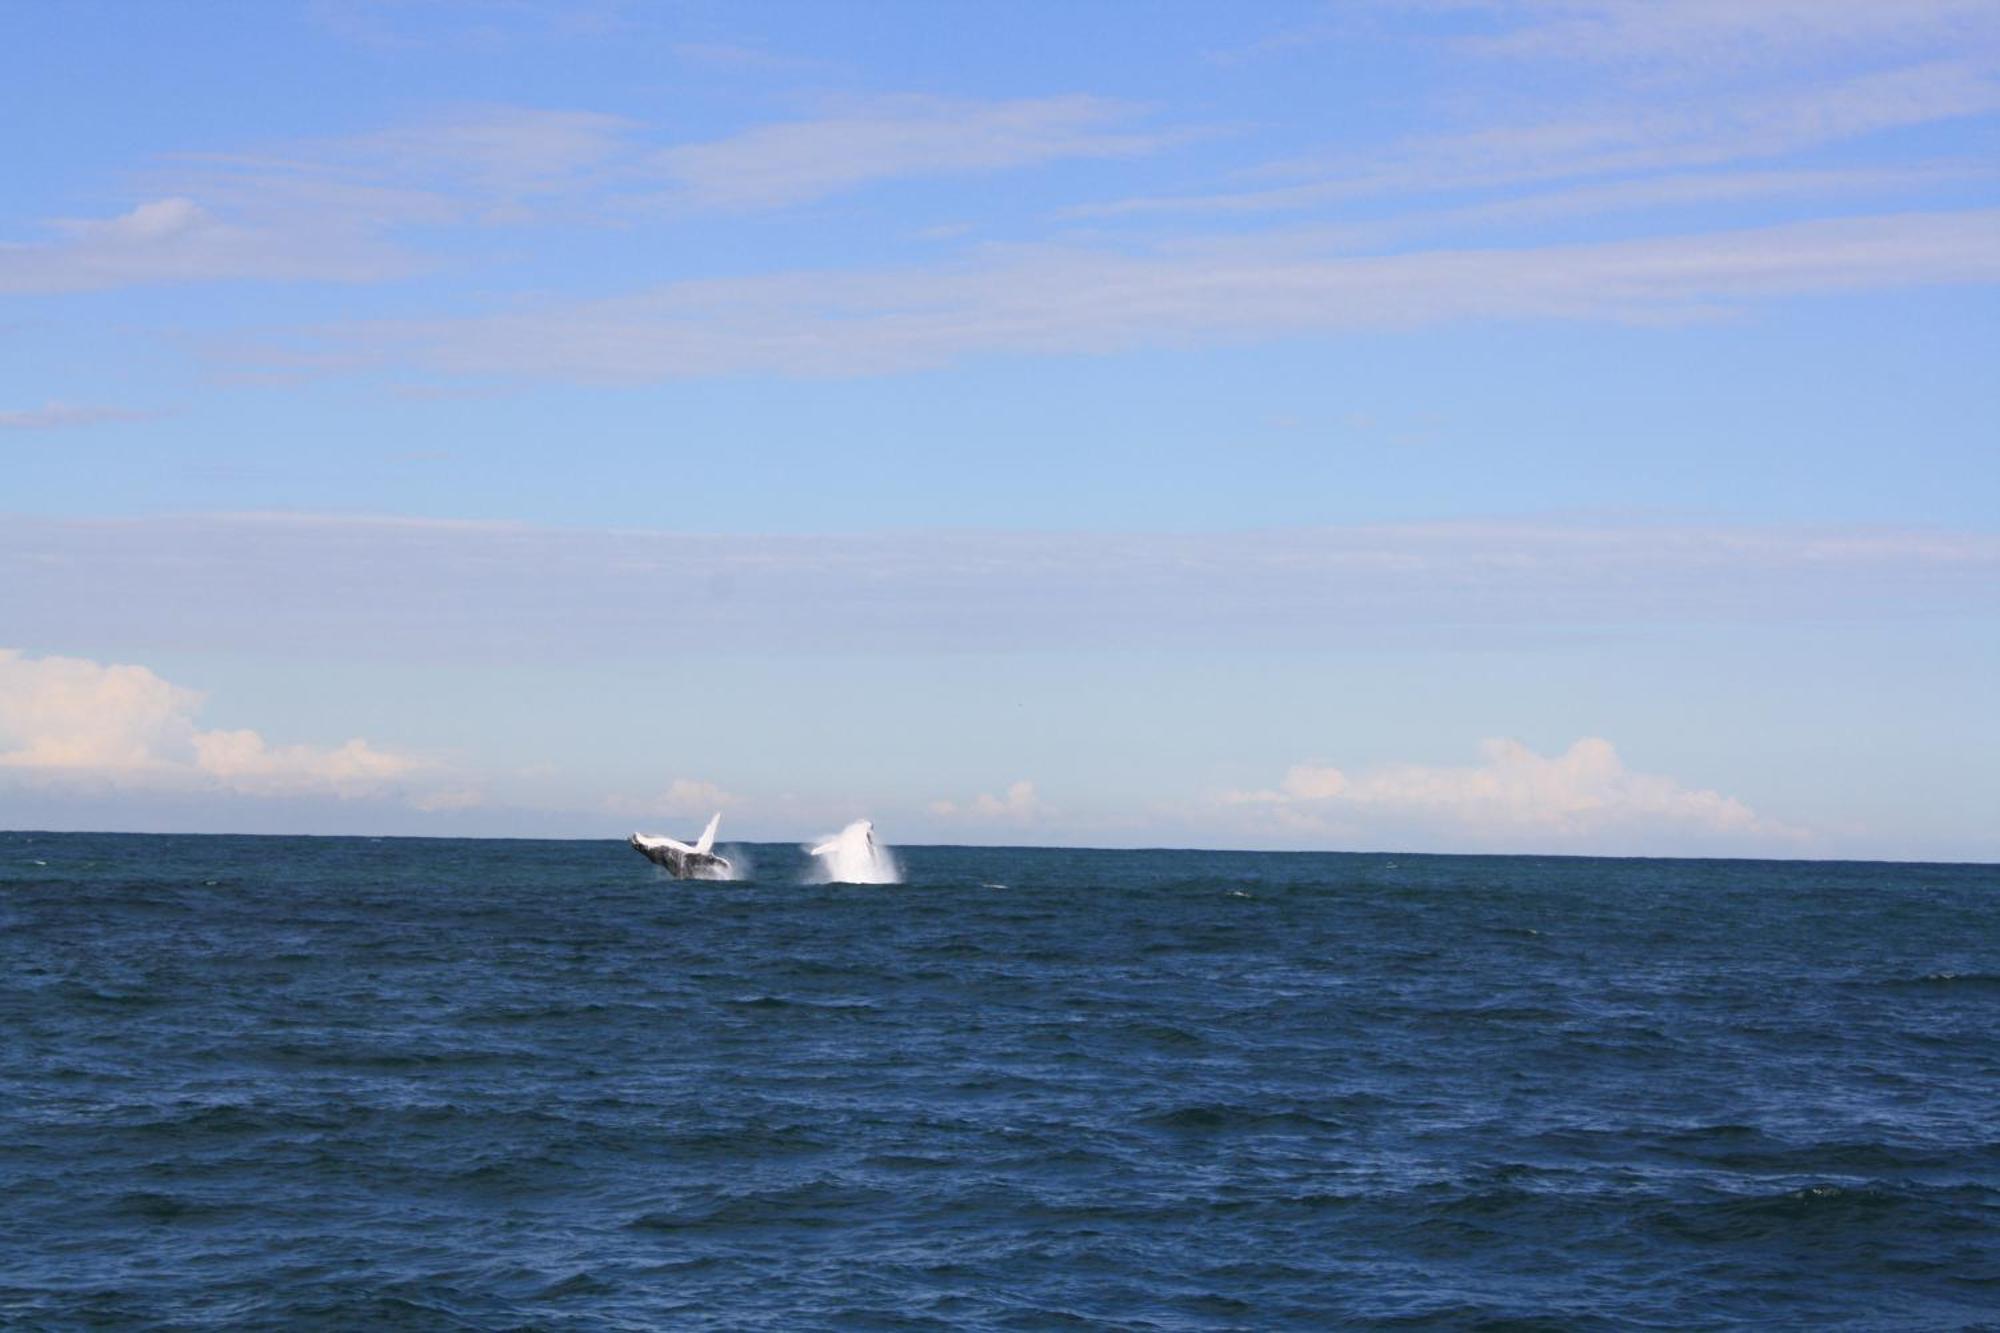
[852,856]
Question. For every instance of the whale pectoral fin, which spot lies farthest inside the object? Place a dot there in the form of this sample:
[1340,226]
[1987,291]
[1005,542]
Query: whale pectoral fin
[707,839]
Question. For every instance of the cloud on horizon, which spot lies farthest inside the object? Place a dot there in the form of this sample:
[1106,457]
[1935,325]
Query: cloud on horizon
[74,722]
[1584,799]
[1019,804]
[75,728]
[683,798]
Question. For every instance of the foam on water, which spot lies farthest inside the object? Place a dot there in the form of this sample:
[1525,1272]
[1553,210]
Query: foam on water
[852,856]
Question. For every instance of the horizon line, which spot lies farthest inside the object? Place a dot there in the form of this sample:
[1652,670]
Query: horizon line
[1034,847]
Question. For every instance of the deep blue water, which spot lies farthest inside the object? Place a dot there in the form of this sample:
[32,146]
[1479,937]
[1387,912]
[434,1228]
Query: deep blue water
[409,1083]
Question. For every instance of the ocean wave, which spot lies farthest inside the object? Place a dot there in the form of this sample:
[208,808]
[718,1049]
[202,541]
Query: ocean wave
[1944,981]
[1223,1117]
[812,1205]
[1852,1215]
[443,1084]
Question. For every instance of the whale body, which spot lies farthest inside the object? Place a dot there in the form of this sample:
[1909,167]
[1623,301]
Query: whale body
[683,860]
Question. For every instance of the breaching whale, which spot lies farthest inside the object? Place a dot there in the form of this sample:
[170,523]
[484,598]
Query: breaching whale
[852,856]
[682,861]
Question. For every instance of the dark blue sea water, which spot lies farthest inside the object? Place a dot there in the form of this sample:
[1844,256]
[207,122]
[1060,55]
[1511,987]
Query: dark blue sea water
[452,1084]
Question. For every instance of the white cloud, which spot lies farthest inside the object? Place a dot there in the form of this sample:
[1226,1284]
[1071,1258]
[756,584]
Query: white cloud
[54,415]
[74,715]
[1582,799]
[75,720]
[1018,804]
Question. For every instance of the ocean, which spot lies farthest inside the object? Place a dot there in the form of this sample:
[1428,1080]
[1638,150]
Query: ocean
[408,1083]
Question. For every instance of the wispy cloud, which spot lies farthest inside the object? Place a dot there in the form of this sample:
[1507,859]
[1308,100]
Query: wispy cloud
[1557,110]
[176,240]
[350,208]
[453,591]
[484,157]
[1658,195]
[1687,38]
[1621,138]
[899,137]
[1069,300]
[473,25]
[471,166]
[739,58]
[1698,131]
[54,415]
[1584,799]
[1705,34]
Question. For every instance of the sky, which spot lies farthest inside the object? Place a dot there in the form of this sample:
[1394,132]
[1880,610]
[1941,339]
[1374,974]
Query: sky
[1554,426]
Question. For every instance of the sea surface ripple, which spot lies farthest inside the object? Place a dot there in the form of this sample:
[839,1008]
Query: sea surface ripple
[409,1083]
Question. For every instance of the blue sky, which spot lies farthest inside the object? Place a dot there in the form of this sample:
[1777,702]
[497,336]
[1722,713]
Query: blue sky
[1551,425]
